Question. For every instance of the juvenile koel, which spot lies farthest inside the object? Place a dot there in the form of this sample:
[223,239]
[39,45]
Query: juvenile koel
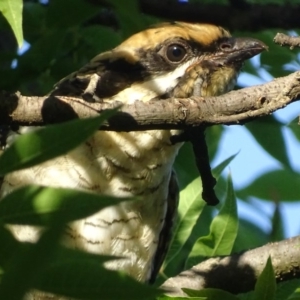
[169,60]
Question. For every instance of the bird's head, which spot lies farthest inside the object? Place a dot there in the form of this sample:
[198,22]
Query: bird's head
[171,59]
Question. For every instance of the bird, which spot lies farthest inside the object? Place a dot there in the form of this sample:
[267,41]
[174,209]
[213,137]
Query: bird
[173,59]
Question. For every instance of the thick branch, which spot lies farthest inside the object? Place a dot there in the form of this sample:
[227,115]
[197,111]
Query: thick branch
[234,107]
[243,16]
[285,40]
[237,273]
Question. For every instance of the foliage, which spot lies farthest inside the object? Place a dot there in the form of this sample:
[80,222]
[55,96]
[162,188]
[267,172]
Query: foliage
[12,11]
[45,143]
[63,36]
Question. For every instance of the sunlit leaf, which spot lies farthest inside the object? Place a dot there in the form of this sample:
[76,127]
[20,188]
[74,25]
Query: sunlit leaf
[12,11]
[210,294]
[295,295]
[45,143]
[189,208]
[37,205]
[223,231]
[221,167]
[265,286]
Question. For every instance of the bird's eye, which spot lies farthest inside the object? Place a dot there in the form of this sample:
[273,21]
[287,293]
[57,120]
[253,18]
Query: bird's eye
[175,53]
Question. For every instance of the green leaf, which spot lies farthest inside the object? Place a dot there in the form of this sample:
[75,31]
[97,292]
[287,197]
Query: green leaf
[45,143]
[221,167]
[129,16]
[37,205]
[211,294]
[24,267]
[250,235]
[223,232]
[265,286]
[277,232]
[109,37]
[295,127]
[43,52]
[79,274]
[267,132]
[185,166]
[295,295]
[88,280]
[189,208]
[52,268]
[33,21]
[246,296]
[29,264]
[282,185]
[277,56]
[69,272]
[165,297]
[8,246]
[12,11]
[68,13]
[190,211]
[288,290]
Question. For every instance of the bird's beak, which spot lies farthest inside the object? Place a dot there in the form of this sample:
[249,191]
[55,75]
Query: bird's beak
[237,50]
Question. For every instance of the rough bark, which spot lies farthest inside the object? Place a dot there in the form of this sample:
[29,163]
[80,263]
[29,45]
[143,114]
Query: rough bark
[285,40]
[237,273]
[235,107]
[238,15]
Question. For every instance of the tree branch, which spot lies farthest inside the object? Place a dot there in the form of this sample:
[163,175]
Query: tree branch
[187,114]
[243,268]
[243,17]
[232,108]
[285,40]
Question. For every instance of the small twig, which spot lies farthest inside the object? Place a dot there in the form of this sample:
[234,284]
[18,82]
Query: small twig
[285,40]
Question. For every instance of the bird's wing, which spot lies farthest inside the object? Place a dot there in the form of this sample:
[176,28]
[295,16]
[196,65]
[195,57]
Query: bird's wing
[104,76]
[166,232]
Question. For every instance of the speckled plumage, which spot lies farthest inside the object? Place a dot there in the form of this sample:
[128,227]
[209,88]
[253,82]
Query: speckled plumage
[136,163]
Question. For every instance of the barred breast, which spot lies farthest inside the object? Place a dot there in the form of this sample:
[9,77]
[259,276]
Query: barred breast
[119,164]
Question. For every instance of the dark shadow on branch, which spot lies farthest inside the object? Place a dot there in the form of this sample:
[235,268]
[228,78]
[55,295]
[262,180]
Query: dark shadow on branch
[236,107]
[238,273]
[242,17]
